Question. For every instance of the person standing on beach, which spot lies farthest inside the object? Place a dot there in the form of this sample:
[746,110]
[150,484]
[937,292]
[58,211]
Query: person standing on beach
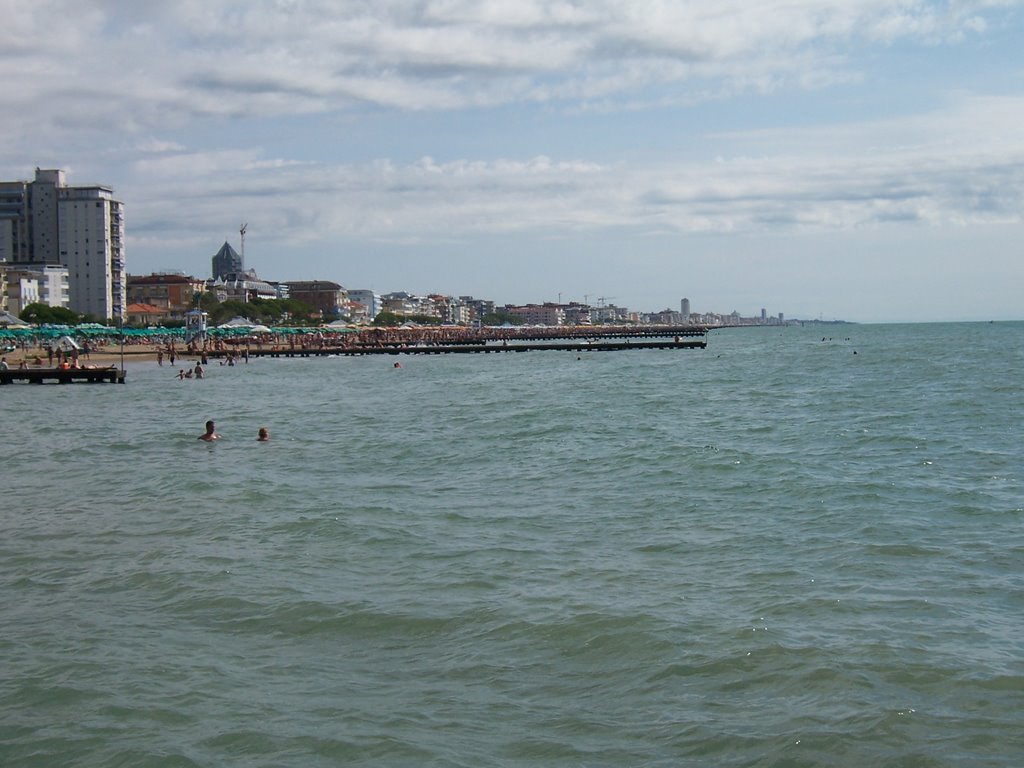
[211,432]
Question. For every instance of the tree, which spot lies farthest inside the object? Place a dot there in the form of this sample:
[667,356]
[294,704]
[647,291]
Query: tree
[208,302]
[385,318]
[40,314]
[425,319]
[500,318]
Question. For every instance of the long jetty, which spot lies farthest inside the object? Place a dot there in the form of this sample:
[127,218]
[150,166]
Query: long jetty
[424,341]
[62,375]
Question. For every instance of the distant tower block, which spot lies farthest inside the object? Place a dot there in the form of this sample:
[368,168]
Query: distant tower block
[684,309]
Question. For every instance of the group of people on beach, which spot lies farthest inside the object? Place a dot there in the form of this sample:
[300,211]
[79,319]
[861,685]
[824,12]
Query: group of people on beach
[211,434]
[66,364]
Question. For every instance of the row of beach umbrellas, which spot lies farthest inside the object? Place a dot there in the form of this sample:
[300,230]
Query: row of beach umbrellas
[13,327]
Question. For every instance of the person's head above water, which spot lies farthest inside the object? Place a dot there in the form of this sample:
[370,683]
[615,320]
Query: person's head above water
[210,434]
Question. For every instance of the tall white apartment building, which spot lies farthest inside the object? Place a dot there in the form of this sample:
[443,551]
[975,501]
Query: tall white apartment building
[82,228]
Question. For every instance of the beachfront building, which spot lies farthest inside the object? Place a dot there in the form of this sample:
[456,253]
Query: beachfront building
[47,222]
[398,303]
[609,314]
[407,305]
[174,293]
[245,286]
[575,313]
[51,283]
[13,221]
[479,308]
[19,290]
[665,317]
[452,311]
[369,300]
[139,313]
[355,313]
[539,314]
[323,296]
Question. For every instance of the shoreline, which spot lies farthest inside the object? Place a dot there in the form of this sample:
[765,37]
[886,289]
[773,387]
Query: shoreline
[101,357]
[375,338]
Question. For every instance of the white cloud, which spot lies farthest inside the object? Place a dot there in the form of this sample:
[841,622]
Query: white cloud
[812,179]
[151,65]
[198,100]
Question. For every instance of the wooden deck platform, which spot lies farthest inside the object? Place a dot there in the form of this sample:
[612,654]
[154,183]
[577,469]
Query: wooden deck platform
[66,376]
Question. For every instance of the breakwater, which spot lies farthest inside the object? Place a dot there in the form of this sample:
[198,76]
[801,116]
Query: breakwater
[439,341]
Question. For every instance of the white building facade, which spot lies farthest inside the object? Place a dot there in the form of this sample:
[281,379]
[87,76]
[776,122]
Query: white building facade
[91,238]
[370,300]
[36,283]
[47,223]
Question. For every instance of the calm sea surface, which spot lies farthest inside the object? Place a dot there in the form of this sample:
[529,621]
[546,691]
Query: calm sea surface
[778,551]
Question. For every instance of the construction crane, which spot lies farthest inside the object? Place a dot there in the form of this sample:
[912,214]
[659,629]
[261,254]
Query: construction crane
[602,299]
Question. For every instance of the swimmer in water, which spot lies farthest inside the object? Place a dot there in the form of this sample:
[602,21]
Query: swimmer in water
[263,435]
[210,434]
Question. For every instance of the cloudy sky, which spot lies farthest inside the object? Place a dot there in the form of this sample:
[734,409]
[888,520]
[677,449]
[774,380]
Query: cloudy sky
[855,159]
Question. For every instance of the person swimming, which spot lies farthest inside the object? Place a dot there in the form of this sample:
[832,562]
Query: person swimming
[263,435]
[210,434]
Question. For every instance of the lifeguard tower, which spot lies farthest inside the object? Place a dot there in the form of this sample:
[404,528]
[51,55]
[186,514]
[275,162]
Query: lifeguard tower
[195,327]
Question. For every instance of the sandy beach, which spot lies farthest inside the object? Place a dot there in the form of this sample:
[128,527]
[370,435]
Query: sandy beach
[100,357]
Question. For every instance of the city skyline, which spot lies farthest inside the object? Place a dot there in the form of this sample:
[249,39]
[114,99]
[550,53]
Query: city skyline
[834,160]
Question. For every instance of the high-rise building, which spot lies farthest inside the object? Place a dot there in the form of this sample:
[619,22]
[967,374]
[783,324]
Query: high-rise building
[226,262]
[684,310]
[46,222]
[13,221]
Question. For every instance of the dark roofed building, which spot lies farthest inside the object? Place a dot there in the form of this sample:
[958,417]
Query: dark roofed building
[327,297]
[174,293]
[226,261]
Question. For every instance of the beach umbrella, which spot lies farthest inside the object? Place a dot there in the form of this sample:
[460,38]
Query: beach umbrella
[7,320]
[237,322]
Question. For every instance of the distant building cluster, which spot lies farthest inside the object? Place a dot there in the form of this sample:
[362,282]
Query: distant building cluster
[63,246]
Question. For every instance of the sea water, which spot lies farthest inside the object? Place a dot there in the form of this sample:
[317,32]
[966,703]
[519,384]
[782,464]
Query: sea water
[797,547]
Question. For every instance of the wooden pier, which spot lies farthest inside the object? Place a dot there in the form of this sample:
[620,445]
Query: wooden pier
[63,375]
[464,348]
